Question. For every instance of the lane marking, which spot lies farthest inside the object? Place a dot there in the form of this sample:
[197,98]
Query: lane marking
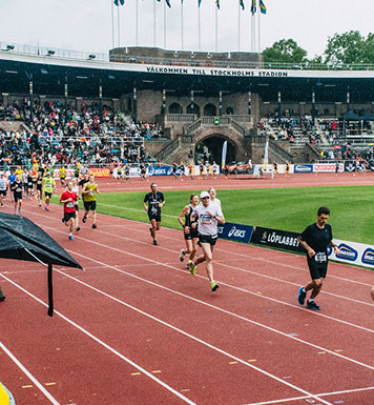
[105,345]
[96,339]
[28,374]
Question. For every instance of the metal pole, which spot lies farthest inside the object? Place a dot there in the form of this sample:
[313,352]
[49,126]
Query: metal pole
[119,26]
[199,26]
[259,30]
[182,28]
[112,23]
[164,24]
[137,23]
[154,23]
[239,26]
[216,29]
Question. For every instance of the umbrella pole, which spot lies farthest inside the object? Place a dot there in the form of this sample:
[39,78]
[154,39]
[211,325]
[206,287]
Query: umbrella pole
[50,291]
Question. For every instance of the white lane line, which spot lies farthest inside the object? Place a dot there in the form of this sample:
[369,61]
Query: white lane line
[105,345]
[231,356]
[225,311]
[28,374]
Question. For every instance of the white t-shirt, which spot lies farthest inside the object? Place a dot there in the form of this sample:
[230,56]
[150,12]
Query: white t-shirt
[216,201]
[3,184]
[207,225]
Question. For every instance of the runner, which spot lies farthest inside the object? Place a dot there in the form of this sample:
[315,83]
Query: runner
[142,170]
[2,296]
[17,195]
[155,201]
[215,169]
[49,187]
[127,173]
[69,198]
[76,190]
[213,199]
[191,236]
[3,188]
[62,174]
[314,240]
[209,216]
[190,170]
[39,188]
[89,191]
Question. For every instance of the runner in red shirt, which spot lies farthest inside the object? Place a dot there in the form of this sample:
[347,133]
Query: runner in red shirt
[69,198]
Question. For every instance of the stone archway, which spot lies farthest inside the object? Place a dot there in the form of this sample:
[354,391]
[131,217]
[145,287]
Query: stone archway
[175,108]
[210,149]
[210,110]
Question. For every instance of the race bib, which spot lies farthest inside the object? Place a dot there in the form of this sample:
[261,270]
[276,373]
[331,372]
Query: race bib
[320,257]
[70,205]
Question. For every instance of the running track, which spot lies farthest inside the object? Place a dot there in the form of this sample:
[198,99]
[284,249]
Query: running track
[137,328]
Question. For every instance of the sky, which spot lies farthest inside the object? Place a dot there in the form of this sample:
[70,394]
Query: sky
[86,25]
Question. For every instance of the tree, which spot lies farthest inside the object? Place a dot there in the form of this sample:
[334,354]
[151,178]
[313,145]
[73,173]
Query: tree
[285,51]
[349,47]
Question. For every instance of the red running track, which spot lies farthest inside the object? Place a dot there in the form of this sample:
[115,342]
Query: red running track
[137,328]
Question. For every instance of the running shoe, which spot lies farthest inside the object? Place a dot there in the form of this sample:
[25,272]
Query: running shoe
[150,231]
[2,298]
[63,219]
[181,256]
[187,265]
[71,238]
[301,296]
[84,219]
[192,267]
[77,228]
[214,286]
[2,204]
[40,204]
[313,305]
[155,242]
[94,226]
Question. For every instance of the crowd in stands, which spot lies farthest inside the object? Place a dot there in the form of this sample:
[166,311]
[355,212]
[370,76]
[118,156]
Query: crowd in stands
[57,134]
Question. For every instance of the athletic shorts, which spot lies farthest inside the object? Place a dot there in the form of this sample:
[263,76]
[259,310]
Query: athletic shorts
[47,195]
[68,215]
[90,205]
[76,207]
[17,197]
[317,270]
[156,216]
[193,234]
[211,239]
[3,192]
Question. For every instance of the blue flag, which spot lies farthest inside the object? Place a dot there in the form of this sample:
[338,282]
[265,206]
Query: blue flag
[262,7]
[168,3]
[241,2]
[118,2]
[254,7]
[198,3]
[217,4]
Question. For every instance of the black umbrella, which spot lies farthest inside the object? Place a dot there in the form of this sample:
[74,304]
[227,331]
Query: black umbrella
[21,239]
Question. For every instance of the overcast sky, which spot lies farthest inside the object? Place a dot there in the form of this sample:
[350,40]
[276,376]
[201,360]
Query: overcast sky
[86,25]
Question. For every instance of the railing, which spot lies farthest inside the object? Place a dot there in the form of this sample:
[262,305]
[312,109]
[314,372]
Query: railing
[192,127]
[238,127]
[167,151]
[181,117]
[277,150]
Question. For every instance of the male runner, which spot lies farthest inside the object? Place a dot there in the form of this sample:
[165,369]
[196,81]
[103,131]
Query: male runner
[208,218]
[3,188]
[213,199]
[314,240]
[17,195]
[89,192]
[49,187]
[69,198]
[155,201]
[62,174]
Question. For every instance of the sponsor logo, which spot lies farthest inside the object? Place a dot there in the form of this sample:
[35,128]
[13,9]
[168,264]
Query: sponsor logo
[347,253]
[303,168]
[325,167]
[237,233]
[278,239]
[368,256]
[264,237]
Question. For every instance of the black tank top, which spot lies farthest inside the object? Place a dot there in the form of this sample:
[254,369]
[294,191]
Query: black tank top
[187,217]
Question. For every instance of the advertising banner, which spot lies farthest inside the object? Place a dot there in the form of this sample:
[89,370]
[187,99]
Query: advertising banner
[231,231]
[277,238]
[352,166]
[303,168]
[353,253]
[325,168]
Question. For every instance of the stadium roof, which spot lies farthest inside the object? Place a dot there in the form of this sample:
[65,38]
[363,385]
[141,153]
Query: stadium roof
[49,75]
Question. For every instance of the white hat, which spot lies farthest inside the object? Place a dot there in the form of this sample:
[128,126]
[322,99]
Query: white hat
[204,194]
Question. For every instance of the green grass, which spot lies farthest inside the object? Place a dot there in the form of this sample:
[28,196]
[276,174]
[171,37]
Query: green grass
[291,209]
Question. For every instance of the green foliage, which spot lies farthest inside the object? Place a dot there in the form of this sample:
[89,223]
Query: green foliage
[285,51]
[346,48]
[292,209]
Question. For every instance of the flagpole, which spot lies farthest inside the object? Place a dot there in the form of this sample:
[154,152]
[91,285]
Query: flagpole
[164,24]
[137,23]
[216,29]
[119,27]
[259,29]
[199,26]
[112,23]
[239,26]
[182,25]
[154,23]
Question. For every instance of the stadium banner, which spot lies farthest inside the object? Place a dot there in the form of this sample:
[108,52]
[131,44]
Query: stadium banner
[353,253]
[301,168]
[352,166]
[238,232]
[99,172]
[324,168]
[277,238]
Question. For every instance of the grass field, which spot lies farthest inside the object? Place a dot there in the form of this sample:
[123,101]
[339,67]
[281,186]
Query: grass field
[291,209]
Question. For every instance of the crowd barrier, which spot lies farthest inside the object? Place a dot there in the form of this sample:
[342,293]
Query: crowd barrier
[350,252]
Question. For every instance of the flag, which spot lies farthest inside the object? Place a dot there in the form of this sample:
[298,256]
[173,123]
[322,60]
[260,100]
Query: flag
[262,7]
[254,7]
[217,4]
[224,152]
[118,2]
[241,2]
[198,3]
[168,3]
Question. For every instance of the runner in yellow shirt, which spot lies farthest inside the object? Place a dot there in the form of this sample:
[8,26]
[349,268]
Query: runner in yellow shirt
[62,173]
[89,201]
[49,187]
[18,172]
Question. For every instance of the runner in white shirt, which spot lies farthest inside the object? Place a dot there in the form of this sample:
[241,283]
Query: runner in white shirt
[213,199]
[209,216]
[3,188]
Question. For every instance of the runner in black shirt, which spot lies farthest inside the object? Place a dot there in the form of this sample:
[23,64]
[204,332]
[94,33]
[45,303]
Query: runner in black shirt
[17,195]
[314,240]
[155,201]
